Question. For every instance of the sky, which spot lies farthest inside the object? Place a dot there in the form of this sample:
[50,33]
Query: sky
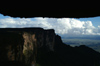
[62,26]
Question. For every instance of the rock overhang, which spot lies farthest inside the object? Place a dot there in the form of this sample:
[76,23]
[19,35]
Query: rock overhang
[62,13]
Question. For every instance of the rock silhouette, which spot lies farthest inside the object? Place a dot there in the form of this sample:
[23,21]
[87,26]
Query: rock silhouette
[39,47]
[65,12]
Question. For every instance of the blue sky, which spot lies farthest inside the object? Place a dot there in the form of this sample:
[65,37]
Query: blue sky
[2,16]
[62,26]
[95,20]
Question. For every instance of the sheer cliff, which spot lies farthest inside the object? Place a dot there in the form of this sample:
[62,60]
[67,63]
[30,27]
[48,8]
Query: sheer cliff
[21,44]
[39,47]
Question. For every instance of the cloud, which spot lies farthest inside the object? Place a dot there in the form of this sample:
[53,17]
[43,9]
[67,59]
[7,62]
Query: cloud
[62,26]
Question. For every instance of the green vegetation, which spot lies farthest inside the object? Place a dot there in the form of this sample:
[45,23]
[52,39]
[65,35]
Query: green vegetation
[27,52]
[28,56]
[38,64]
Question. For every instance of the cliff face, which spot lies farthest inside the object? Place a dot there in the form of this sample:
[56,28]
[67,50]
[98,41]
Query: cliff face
[22,44]
[36,46]
[11,47]
[29,48]
[35,40]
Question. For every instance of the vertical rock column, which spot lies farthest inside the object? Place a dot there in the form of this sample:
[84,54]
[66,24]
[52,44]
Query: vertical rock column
[29,48]
[50,39]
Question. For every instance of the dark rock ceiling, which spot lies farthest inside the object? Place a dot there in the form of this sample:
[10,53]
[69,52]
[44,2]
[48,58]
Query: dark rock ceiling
[51,13]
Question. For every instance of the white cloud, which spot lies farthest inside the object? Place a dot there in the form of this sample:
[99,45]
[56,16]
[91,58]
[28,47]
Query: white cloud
[62,26]
[98,26]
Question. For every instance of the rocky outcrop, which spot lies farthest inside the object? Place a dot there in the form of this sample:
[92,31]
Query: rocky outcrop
[36,46]
[35,40]
[29,48]
[22,44]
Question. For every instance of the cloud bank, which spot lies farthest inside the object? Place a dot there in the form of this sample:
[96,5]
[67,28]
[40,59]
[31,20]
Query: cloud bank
[62,26]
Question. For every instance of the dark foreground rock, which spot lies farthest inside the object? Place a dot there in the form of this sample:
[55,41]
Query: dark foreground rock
[39,47]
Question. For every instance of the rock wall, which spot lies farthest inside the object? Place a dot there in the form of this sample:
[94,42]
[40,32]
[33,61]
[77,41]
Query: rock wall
[39,47]
[22,44]
[35,40]
[29,48]
[11,47]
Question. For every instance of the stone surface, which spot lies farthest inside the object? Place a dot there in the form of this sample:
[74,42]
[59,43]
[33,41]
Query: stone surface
[39,47]
[22,44]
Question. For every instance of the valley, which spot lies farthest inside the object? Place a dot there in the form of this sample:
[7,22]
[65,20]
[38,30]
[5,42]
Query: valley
[92,43]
